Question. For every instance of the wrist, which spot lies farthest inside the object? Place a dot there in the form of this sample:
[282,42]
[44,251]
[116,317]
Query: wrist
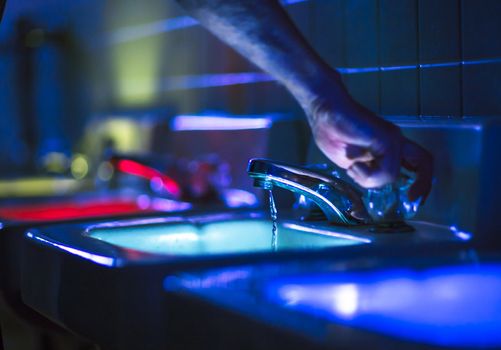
[317,85]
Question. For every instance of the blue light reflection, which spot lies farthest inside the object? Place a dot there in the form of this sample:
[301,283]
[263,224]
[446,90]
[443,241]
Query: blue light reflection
[141,31]
[218,280]
[465,236]
[187,82]
[99,259]
[330,233]
[132,33]
[361,70]
[216,122]
[446,306]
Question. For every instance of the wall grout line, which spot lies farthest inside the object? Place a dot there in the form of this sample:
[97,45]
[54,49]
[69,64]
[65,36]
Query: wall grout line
[378,45]
[186,82]
[418,60]
[461,53]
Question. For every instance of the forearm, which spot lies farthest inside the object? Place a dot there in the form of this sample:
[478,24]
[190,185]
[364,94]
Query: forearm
[262,32]
[373,150]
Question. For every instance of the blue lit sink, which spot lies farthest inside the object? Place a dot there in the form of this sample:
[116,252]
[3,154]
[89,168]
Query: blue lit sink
[456,306]
[412,299]
[101,279]
[206,236]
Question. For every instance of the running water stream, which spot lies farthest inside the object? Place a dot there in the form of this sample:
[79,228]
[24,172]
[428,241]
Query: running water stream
[274,230]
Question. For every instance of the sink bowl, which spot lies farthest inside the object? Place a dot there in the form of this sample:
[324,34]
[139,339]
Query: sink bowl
[192,238]
[412,299]
[102,279]
[217,235]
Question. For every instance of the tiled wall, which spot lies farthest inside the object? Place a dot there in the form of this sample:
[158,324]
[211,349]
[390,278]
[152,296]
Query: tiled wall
[399,57]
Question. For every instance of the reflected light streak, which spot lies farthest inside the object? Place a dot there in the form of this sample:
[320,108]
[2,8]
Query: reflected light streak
[212,280]
[326,232]
[134,222]
[169,205]
[186,82]
[292,2]
[235,198]
[223,79]
[65,210]
[341,300]
[99,259]
[141,31]
[313,195]
[145,30]
[134,168]
[360,70]
[191,123]
[465,236]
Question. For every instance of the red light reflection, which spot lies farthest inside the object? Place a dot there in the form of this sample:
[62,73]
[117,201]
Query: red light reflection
[134,168]
[71,210]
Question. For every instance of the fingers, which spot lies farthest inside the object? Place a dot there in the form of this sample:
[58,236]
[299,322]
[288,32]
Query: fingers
[384,170]
[344,155]
[358,154]
[375,173]
[420,161]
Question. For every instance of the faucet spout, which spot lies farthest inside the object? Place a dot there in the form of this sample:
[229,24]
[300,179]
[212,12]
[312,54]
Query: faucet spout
[340,202]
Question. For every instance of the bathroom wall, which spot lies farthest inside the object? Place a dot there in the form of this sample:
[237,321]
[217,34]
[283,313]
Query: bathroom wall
[398,57]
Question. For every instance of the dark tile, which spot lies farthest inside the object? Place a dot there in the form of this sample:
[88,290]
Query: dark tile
[365,89]
[328,30]
[440,42]
[439,34]
[481,40]
[270,97]
[361,50]
[399,93]
[481,89]
[399,46]
[441,91]
[398,32]
[301,14]
[361,35]
[481,28]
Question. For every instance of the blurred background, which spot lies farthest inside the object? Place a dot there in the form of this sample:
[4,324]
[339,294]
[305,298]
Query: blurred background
[82,77]
[134,107]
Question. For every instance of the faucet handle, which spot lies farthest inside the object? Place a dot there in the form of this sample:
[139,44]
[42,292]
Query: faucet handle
[391,203]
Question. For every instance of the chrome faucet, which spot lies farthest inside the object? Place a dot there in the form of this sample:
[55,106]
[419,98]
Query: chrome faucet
[339,201]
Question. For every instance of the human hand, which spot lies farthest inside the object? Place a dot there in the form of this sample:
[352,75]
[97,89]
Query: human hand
[371,149]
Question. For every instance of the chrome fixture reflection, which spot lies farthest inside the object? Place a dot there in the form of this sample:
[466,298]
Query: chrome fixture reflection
[339,201]
[391,202]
